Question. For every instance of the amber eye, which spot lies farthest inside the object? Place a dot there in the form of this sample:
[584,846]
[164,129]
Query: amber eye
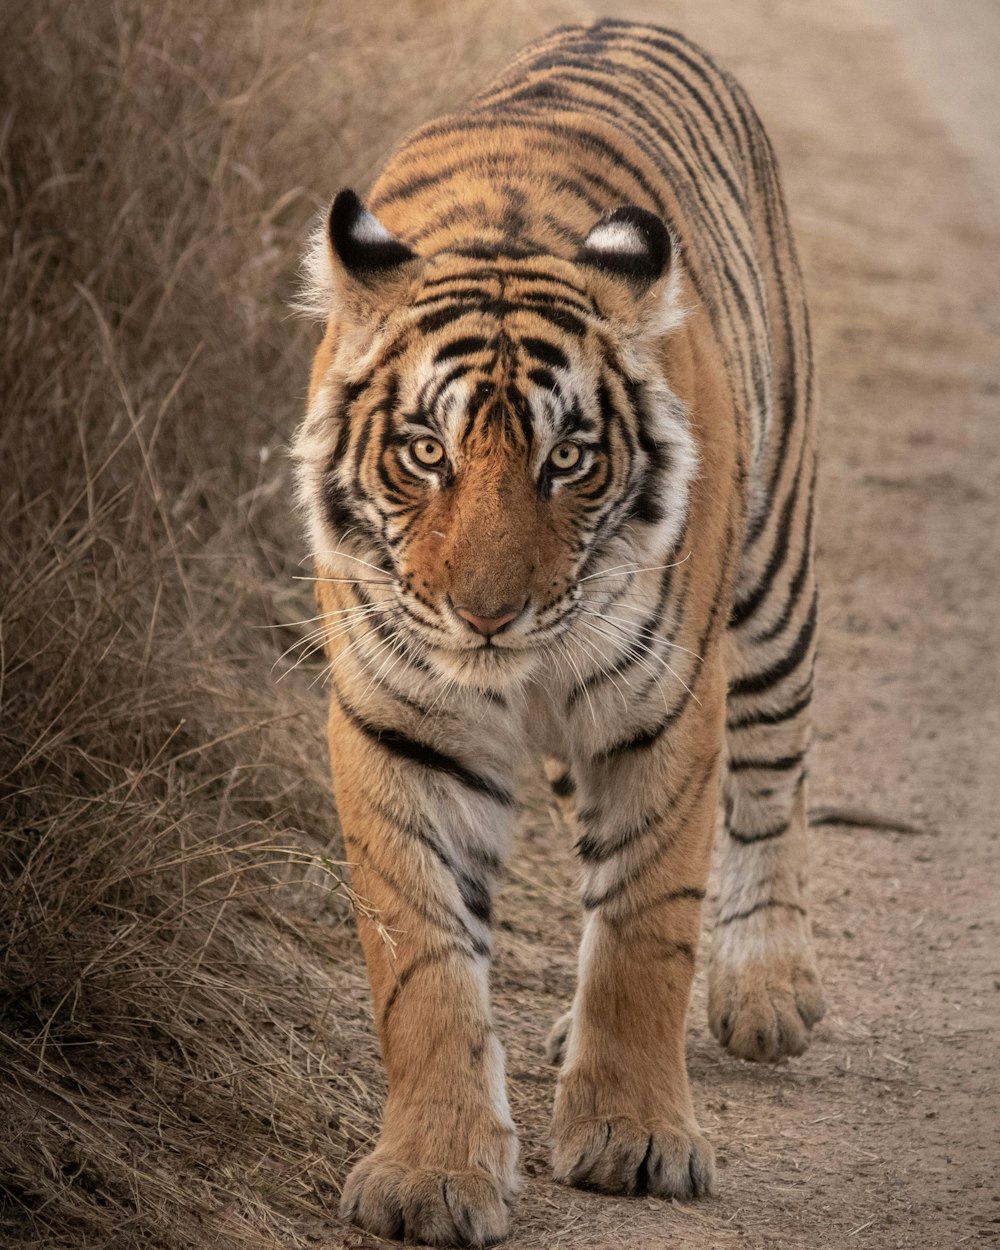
[427,451]
[565,456]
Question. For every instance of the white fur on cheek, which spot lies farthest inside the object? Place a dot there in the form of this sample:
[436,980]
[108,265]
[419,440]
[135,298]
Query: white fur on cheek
[311,452]
[316,297]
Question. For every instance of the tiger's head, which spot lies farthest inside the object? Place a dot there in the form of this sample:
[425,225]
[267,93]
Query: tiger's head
[490,429]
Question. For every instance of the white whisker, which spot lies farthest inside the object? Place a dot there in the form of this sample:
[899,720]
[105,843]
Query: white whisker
[602,668]
[583,685]
[631,650]
[349,581]
[639,630]
[631,569]
[338,554]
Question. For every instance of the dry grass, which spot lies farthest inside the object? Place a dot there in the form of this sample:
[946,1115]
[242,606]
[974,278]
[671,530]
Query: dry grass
[179,995]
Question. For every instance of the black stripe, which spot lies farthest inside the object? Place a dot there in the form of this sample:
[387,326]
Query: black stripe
[631,638]
[337,505]
[765,835]
[422,961]
[350,394]
[431,322]
[431,394]
[547,352]
[461,294]
[679,51]
[646,738]
[797,583]
[594,849]
[461,347]
[628,879]
[476,897]
[495,274]
[759,907]
[743,609]
[756,683]
[642,740]
[715,220]
[539,128]
[564,786]
[614,420]
[784,763]
[763,717]
[361,444]
[547,310]
[441,916]
[546,380]
[487,859]
[518,404]
[423,753]
[497,251]
[456,215]
[691,893]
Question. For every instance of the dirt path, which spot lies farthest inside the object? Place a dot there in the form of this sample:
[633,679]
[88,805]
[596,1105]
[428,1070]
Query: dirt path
[886,1133]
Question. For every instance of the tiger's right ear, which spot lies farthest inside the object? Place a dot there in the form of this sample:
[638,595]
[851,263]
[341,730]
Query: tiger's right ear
[362,245]
[354,265]
[635,271]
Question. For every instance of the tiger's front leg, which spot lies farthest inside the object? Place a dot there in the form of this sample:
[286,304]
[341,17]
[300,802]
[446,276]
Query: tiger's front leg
[624,1120]
[423,834]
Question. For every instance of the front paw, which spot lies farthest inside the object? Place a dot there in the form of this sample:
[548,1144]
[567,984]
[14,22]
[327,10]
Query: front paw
[424,1204]
[764,1010]
[621,1155]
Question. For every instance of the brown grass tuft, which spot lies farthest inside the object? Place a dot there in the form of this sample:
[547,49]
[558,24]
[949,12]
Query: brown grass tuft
[181,1004]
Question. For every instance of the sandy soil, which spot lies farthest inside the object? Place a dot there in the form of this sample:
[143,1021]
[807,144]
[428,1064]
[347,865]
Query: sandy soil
[886,1133]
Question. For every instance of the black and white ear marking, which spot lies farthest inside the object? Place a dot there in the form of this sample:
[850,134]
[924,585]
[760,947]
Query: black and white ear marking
[362,244]
[628,243]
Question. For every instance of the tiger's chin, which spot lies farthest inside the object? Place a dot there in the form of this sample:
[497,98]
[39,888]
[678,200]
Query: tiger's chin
[488,669]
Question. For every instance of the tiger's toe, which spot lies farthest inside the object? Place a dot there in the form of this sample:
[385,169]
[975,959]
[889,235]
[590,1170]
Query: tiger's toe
[620,1155]
[765,1012]
[435,1208]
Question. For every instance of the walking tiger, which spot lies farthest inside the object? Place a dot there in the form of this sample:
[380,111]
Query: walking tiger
[557,468]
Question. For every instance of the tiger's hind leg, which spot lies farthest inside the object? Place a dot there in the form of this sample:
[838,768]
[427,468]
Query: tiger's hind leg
[560,778]
[764,990]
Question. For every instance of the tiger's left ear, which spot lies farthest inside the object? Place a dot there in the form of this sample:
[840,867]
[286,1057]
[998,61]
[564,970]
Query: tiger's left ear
[631,254]
[355,268]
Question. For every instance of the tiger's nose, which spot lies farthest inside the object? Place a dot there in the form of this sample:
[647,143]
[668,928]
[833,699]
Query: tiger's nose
[489,625]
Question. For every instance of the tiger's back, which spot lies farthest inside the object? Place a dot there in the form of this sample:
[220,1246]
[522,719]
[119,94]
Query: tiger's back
[563,409]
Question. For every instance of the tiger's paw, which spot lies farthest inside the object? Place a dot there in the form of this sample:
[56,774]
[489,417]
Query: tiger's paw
[426,1205]
[620,1155]
[764,1011]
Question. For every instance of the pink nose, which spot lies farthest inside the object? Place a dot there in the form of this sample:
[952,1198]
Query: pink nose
[488,625]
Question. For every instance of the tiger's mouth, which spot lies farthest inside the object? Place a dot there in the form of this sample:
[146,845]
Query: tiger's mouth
[533,629]
[492,666]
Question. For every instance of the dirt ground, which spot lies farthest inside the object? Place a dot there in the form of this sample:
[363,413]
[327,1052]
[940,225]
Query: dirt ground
[185,1068]
[887,1133]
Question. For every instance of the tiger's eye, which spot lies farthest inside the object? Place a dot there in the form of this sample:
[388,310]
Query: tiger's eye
[427,450]
[565,455]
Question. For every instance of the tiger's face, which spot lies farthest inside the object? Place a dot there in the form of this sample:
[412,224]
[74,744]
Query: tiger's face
[488,433]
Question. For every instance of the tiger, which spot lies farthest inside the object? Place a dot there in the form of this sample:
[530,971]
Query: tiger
[557,469]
